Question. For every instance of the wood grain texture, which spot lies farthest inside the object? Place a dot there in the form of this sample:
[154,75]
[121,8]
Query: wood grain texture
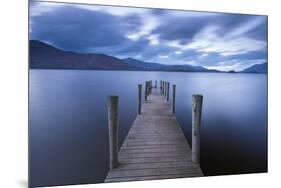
[155,147]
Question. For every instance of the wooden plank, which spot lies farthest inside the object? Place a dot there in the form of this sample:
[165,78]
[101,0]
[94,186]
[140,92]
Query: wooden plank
[154,144]
[142,178]
[184,159]
[155,147]
[154,150]
[171,164]
[163,154]
[153,172]
[140,148]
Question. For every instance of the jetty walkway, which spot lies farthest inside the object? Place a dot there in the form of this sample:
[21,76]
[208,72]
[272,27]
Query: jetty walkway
[155,147]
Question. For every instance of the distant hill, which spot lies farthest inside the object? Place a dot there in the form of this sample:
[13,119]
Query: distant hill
[45,56]
[160,67]
[257,68]
[186,68]
[142,64]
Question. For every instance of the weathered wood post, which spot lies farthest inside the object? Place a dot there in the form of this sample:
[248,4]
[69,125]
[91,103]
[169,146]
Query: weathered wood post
[150,91]
[168,90]
[160,86]
[112,109]
[174,99]
[145,91]
[155,83]
[139,98]
[147,83]
[196,123]
[149,88]
[165,88]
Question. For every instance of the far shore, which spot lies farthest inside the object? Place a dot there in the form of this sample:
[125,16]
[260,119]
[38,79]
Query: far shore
[227,72]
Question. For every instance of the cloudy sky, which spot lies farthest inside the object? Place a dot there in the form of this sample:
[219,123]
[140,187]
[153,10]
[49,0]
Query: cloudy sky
[213,40]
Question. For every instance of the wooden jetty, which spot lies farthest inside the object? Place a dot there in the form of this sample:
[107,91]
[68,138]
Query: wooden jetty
[155,147]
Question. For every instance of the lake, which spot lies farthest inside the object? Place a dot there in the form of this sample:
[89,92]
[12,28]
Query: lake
[68,135]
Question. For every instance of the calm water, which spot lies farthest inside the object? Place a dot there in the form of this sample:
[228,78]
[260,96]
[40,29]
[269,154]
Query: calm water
[68,121]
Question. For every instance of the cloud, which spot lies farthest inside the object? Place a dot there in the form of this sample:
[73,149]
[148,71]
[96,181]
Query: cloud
[153,39]
[75,29]
[155,35]
[39,8]
[116,11]
[148,24]
[178,52]
[163,56]
[203,55]
[207,40]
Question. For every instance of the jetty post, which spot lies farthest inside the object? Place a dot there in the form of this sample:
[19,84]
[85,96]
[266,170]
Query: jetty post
[168,90]
[174,99]
[165,89]
[155,83]
[148,88]
[160,86]
[112,109]
[145,91]
[196,124]
[139,98]
[150,91]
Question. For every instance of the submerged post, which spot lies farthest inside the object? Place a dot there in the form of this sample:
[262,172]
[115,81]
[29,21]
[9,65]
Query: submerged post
[168,90]
[112,109]
[174,99]
[196,123]
[139,98]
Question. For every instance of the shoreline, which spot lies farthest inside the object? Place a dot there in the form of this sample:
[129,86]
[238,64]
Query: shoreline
[144,71]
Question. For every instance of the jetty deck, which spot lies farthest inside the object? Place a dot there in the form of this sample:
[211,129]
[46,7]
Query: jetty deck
[155,147]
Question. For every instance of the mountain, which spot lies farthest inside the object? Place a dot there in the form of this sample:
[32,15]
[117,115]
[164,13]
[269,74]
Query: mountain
[45,56]
[143,65]
[186,68]
[257,68]
[171,68]
[160,67]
